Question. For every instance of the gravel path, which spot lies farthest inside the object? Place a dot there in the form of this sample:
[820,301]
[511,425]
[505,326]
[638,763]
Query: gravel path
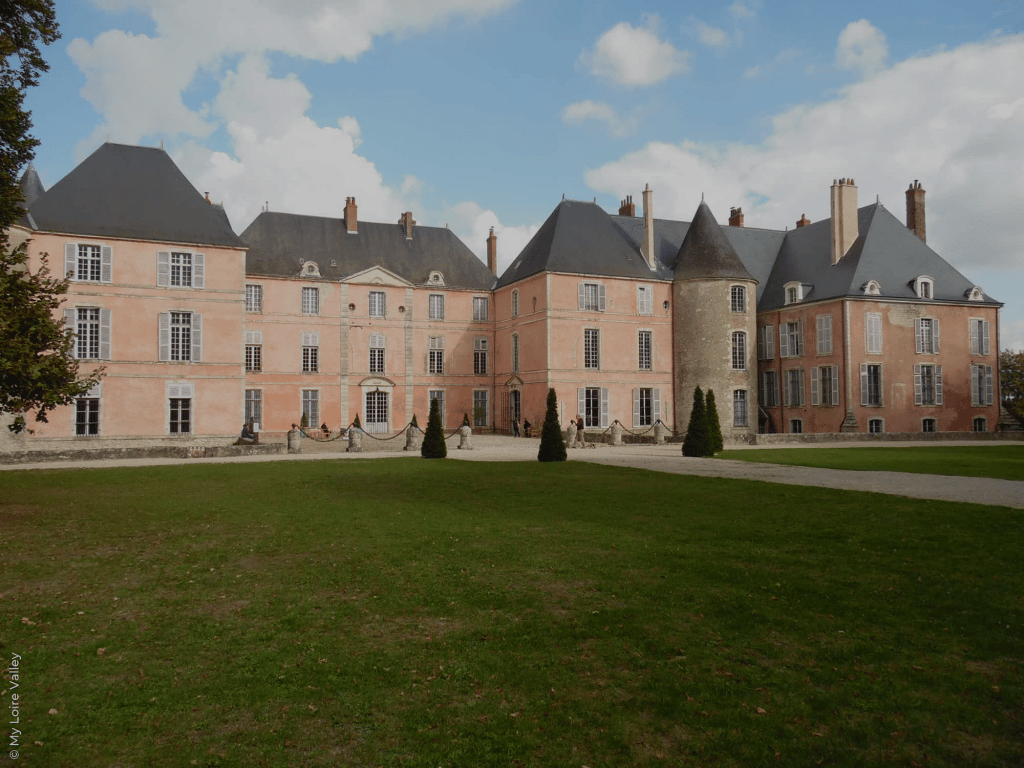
[657,458]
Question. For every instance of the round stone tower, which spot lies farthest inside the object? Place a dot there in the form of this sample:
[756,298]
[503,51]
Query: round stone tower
[714,328]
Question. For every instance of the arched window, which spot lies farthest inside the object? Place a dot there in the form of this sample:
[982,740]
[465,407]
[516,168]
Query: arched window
[924,287]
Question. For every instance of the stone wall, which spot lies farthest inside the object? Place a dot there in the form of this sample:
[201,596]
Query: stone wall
[70,453]
[884,437]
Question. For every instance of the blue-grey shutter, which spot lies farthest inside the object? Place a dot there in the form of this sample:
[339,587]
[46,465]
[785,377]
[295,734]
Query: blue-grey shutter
[581,402]
[769,338]
[835,385]
[582,295]
[975,390]
[800,340]
[636,407]
[106,264]
[165,336]
[935,335]
[918,386]
[71,326]
[938,385]
[985,349]
[604,407]
[656,395]
[815,400]
[784,341]
[71,260]
[863,383]
[600,297]
[919,338]
[786,399]
[775,388]
[974,326]
[104,334]
[163,269]
[197,337]
[803,398]
[988,385]
[198,270]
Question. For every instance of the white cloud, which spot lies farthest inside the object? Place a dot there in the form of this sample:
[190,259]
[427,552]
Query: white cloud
[760,71]
[581,111]
[634,56]
[473,224]
[753,73]
[1011,334]
[951,119]
[740,11]
[862,47]
[712,36]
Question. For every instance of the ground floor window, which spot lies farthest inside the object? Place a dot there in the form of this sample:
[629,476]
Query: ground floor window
[480,408]
[739,408]
[768,393]
[253,406]
[796,426]
[928,425]
[87,416]
[980,424]
[181,415]
[794,387]
[593,406]
[376,411]
[311,407]
[875,426]
[646,406]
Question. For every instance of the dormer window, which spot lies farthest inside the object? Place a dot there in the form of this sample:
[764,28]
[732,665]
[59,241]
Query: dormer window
[975,294]
[435,278]
[794,293]
[872,288]
[924,287]
[310,269]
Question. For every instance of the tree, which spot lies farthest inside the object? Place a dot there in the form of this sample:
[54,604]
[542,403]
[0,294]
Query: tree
[714,425]
[698,439]
[38,371]
[552,443]
[1011,382]
[433,439]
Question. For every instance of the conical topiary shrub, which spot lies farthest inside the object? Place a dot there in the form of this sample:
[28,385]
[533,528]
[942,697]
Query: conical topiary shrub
[552,444]
[698,440]
[433,439]
[714,425]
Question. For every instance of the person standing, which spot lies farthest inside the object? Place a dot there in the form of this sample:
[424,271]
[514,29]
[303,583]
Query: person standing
[580,437]
[515,427]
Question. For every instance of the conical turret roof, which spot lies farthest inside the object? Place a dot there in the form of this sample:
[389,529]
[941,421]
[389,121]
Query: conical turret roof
[706,253]
[31,186]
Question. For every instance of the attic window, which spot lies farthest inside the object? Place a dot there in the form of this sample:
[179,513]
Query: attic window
[872,288]
[334,263]
[310,269]
[794,293]
[924,287]
[975,294]
[435,278]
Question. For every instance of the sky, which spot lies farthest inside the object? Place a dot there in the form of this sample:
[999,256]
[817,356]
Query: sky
[483,113]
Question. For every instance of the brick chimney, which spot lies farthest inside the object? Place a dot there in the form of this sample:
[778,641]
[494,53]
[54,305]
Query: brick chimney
[492,252]
[735,217]
[804,221]
[407,223]
[627,208]
[351,220]
[844,217]
[915,209]
[647,249]
[210,202]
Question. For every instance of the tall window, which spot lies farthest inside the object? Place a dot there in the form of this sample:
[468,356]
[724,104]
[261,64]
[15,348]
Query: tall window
[480,408]
[181,416]
[253,406]
[254,357]
[480,356]
[766,342]
[515,303]
[924,287]
[311,406]
[644,300]
[591,297]
[739,408]
[435,360]
[376,411]
[181,336]
[311,301]
[739,351]
[437,306]
[377,353]
[979,337]
[791,339]
[768,392]
[181,269]
[927,385]
[438,395]
[377,304]
[88,331]
[981,385]
[479,308]
[870,384]
[591,349]
[310,352]
[87,416]
[646,406]
[825,385]
[89,266]
[873,333]
[824,334]
[794,388]
[515,352]
[927,335]
[592,406]
[644,347]
[254,298]
[739,301]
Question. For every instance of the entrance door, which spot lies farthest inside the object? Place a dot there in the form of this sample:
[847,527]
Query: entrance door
[377,412]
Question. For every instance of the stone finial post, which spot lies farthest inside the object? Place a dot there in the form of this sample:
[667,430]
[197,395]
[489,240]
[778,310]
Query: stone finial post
[413,438]
[465,443]
[294,440]
[660,433]
[616,434]
[355,440]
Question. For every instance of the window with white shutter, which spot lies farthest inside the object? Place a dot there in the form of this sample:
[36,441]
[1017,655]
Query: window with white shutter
[479,309]
[311,301]
[766,342]
[179,407]
[646,406]
[591,297]
[926,332]
[377,304]
[979,330]
[870,384]
[163,269]
[873,333]
[644,300]
[824,334]
[436,306]
[180,337]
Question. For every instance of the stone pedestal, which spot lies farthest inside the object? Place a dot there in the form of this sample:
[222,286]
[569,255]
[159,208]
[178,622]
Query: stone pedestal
[849,423]
[294,441]
[570,435]
[660,433]
[465,443]
[413,438]
[355,440]
[616,433]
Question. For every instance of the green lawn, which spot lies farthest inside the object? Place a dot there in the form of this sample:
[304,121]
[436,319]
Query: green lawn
[404,612]
[1004,462]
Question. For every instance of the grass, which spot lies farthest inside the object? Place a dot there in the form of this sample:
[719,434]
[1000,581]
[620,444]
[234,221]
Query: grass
[403,612]
[1000,462]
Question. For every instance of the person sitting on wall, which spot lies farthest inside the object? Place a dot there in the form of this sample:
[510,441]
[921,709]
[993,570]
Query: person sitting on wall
[526,427]
[248,436]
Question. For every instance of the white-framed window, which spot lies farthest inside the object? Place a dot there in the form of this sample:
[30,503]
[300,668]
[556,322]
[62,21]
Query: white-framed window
[181,337]
[646,406]
[479,309]
[310,353]
[870,384]
[739,351]
[436,306]
[253,357]
[644,300]
[480,408]
[928,425]
[180,417]
[768,389]
[591,297]
[980,424]
[794,292]
[311,407]
[377,407]
[437,394]
[377,304]
[739,407]
[927,385]
[87,414]
[182,269]
[592,404]
[825,385]
[515,352]
[254,406]
[876,426]
[480,344]
[253,298]
[644,350]
[794,389]
[766,342]
[515,303]
[791,339]
[738,299]
[435,356]
[591,349]
[89,263]
[91,326]
[311,301]
[926,332]
[981,385]
[924,287]
[824,334]
[873,333]
[979,335]
[796,426]
[377,350]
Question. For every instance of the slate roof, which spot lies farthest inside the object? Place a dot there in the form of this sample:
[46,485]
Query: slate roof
[278,241]
[30,185]
[706,253]
[131,192]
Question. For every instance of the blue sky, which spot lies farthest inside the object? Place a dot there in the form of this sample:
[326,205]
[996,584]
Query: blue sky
[481,113]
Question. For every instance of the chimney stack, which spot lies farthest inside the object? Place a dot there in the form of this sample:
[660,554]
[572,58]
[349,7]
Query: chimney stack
[804,221]
[627,208]
[351,220]
[735,217]
[915,209]
[647,250]
[210,202]
[844,217]
[407,223]
[492,252]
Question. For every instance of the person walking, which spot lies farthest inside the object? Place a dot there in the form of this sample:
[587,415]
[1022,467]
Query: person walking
[580,437]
